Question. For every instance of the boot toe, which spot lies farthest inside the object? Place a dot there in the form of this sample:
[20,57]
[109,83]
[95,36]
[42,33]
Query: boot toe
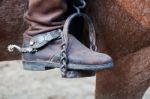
[96,58]
[103,58]
[90,58]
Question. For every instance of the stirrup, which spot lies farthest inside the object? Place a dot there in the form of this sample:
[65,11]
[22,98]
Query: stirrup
[92,39]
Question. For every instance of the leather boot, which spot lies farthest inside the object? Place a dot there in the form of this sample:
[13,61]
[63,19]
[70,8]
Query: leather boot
[48,45]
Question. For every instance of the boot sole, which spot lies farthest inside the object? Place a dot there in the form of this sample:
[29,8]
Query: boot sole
[41,66]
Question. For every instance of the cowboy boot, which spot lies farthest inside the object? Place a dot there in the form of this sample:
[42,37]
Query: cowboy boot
[44,43]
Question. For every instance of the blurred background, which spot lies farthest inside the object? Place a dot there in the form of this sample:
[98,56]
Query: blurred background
[16,83]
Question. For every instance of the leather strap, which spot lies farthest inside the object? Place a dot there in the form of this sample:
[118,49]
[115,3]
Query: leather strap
[40,40]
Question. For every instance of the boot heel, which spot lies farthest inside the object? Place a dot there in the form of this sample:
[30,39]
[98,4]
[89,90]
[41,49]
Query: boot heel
[32,66]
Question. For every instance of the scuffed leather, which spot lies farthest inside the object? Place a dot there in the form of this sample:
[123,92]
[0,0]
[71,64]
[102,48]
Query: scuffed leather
[77,53]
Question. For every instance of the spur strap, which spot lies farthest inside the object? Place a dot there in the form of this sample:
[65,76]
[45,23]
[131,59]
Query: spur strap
[37,41]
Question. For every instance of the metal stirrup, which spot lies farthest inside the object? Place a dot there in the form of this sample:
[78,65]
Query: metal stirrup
[92,39]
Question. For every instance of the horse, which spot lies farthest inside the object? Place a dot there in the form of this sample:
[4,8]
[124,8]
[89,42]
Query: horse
[122,31]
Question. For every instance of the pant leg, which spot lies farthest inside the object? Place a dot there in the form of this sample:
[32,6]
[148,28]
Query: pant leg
[45,15]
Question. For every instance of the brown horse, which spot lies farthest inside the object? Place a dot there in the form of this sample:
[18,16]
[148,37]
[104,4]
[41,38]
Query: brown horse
[123,31]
